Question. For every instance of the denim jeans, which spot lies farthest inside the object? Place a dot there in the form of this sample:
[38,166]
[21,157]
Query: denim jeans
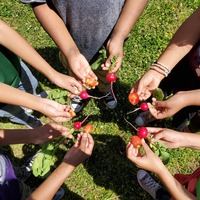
[28,84]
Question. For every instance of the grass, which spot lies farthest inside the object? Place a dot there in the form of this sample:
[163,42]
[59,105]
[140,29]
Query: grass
[107,175]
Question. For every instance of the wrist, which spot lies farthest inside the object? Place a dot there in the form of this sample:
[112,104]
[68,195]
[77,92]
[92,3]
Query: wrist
[160,68]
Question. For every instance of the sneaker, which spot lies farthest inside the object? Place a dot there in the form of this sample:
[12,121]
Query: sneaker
[43,94]
[25,171]
[147,183]
[110,101]
[33,122]
[59,194]
[76,104]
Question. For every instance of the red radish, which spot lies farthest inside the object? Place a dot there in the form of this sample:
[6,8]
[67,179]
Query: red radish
[84,95]
[142,132]
[144,106]
[133,98]
[77,125]
[136,141]
[111,77]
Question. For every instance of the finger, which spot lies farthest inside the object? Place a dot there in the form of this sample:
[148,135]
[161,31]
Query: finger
[84,141]
[90,141]
[146,147]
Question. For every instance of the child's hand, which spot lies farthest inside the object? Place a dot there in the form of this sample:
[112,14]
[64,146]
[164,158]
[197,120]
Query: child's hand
[167,108]
[145,86]
[81,150]
[55,111]
[170,138]
[48,132]
[81,68]
[114,48]
[149,161]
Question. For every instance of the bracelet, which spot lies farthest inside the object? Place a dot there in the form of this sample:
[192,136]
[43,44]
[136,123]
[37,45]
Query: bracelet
[162,69]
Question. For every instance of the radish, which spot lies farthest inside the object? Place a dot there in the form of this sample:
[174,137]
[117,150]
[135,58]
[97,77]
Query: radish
[111,77]
[143,106]
[142,132]
[85,95]
[78,125]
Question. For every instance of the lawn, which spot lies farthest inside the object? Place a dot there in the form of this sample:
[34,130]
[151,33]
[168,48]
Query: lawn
[107,174]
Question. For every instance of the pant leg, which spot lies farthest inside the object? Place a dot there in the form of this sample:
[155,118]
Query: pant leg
[162,194]
[28,84]
[28,81]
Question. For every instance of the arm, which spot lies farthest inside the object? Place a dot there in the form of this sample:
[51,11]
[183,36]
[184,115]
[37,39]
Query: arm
[81,150]
[182,42]
[50,108]
[49,19]
[174,139]
[167,108]
[131,12]
[10,39]
[32,136]
[153,163]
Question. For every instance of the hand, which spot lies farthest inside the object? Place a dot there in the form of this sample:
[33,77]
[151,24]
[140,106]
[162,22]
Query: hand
[48,132]
[115,48]
[55,111]
[167,108]
[170,138]
[81,68]
[149,161]
[67,82]
[81,150]
[147,84]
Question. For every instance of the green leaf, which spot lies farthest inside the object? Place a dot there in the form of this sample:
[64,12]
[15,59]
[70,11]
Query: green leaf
[158,94]
[164,156]
[100,60]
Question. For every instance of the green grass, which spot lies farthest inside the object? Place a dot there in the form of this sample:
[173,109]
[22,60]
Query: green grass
[107,175]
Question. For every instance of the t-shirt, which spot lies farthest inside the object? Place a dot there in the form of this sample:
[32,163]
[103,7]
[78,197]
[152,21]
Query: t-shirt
[9,185]
[89,22]
[10,68]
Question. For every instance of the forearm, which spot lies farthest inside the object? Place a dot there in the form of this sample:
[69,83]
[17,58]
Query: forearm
[182,42]
[13,96]
[131,12]
[10,39]
[189,98]
[52,183]
[55,27]
[190,140]
[173,186]
[22,136]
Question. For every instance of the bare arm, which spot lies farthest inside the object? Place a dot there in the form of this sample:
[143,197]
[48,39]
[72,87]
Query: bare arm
[56,28]
[81,150]
[131,12]
[182,42]
[175,139]
[32,136]
[50,108]
[152,163]
[10,39]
